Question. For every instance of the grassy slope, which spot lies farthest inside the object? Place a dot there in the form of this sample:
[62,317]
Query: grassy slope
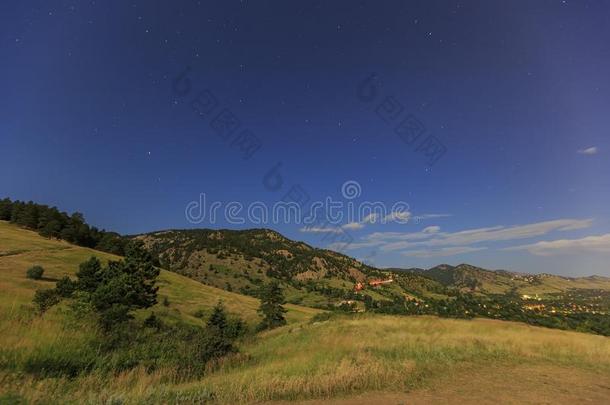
[378,355]
[20,249]
[388,353]
[336,358]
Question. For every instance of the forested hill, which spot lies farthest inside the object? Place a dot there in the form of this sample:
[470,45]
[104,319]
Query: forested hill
[50,222]
[244,260]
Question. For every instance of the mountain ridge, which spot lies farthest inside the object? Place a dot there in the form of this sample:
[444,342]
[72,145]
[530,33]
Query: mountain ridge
[466,275]
[241,260]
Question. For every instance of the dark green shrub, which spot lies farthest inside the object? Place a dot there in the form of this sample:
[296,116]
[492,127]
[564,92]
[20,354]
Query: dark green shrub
[45,299]
[35,272]
[236,328]
[65,287]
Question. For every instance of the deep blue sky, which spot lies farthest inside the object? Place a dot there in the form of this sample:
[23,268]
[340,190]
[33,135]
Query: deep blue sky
[517,92]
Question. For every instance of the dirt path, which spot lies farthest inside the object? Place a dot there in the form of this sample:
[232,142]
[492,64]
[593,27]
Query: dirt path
[501,385]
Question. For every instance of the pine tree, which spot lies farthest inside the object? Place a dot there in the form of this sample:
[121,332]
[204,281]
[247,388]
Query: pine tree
[89,275]
[6,206]
[272,299]
[126,286]
[218,319]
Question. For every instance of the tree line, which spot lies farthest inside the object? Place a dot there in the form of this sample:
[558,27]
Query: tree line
[52,223]
[499,306]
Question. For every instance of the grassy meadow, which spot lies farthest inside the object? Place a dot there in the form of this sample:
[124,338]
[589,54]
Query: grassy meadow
[21,249]
[387,358]
[346,356]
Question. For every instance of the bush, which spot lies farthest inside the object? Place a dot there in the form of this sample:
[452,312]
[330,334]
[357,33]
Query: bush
[35,272]
[45,299]
[65,287]
[236,328]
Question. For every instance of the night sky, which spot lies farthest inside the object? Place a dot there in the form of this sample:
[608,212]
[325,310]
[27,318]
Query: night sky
[516,96]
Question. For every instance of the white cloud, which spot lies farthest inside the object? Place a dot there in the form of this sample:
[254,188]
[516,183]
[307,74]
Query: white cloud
[596,244]
[490,234]
[446,251]
[397,216]
[353,226]
[588,151]
[431,216]
[370,219]
[431,229]
[432,238]
[313,229]
[350,246]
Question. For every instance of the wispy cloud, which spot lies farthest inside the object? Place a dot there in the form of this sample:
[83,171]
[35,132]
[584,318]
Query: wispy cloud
[351,246]
[442,252]
[588,151]
[431,229]
[397,216]
[313,229]
[353,226]
[490,234]
[432,216]
[431,242]
[597,244]
[373,218]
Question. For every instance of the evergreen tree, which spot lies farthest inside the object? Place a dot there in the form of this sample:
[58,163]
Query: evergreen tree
[218,319]
[272,299]
[6,206]
[89,275]
[51,229]
[126,286]
[65,287]
[45,299]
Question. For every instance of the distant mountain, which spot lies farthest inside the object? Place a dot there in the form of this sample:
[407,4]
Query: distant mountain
[472,278]
[241,261]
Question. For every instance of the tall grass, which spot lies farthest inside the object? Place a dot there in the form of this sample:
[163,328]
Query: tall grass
[341,356]
[347,356]
[59,358]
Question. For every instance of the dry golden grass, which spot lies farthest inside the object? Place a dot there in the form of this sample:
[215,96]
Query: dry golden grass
[347,356]
[337,358]
[372,353]
[21,249]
